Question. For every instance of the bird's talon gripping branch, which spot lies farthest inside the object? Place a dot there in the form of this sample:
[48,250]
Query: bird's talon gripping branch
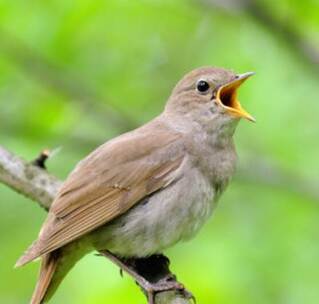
[167,286]
[154,288]
[166,283]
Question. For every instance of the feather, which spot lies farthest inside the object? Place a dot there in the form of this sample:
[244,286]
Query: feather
[108,183]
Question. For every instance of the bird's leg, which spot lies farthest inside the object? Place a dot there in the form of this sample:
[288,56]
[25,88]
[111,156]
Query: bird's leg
[155,269]
[151,274]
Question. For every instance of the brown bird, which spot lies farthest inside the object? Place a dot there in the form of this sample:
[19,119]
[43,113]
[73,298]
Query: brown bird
[147,189]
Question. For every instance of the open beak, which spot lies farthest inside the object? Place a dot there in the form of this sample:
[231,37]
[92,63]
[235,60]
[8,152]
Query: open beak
[227,97]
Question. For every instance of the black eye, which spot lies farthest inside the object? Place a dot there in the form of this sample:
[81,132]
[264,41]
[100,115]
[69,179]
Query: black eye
[202,86]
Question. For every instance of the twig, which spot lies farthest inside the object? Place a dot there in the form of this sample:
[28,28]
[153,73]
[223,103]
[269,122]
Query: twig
[40,186]
[41,159]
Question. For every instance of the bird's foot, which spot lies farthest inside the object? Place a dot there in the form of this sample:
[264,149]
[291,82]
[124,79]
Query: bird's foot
[167,283]
[164,284]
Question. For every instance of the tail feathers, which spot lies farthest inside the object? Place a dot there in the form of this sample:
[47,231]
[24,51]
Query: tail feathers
[32,253]
[48,267]
[55,266]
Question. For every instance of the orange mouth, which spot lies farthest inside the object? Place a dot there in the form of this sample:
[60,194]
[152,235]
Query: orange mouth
[227,97]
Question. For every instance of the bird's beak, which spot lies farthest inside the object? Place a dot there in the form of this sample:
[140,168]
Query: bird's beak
[227,97]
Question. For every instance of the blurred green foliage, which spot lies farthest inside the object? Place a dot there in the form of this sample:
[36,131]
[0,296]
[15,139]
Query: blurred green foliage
[76,73]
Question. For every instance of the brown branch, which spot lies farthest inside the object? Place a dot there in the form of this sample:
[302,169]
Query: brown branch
[37,184]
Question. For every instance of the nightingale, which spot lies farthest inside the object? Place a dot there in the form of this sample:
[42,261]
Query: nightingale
[147,189]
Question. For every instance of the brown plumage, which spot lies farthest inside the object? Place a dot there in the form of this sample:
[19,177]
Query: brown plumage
[103,186]
[180,161]
[49,263]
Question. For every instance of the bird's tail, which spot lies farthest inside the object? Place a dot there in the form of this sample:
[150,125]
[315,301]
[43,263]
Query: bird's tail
[48,268]
[54,267]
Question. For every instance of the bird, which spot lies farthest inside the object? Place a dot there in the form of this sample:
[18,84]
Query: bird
[147,189]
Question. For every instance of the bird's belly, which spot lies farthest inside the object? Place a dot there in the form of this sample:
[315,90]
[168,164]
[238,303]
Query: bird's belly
[166,217]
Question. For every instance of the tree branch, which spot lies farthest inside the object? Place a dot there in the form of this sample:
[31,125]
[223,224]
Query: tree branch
[38,185]
[27,179]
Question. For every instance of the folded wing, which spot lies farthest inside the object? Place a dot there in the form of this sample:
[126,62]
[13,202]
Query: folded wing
[106,184]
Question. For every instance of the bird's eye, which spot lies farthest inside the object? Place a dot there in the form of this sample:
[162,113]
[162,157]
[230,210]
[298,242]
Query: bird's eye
[202,86]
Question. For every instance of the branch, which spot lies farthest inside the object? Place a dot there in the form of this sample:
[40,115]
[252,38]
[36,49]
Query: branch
[27,179]
[38,185]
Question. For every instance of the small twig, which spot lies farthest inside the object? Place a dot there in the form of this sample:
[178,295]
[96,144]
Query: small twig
[41,159]
[45,154]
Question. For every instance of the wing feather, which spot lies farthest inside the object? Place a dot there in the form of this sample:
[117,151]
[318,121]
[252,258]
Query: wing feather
[108,183]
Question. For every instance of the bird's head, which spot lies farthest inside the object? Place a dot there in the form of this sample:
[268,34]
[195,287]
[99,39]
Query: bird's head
[208,95]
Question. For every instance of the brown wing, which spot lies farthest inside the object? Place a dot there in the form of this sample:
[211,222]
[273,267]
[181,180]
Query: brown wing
[109,182]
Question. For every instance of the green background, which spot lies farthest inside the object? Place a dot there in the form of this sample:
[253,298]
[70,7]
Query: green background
[76,73]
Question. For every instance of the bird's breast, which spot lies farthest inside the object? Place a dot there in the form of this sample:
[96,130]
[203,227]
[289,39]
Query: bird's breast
[170,215]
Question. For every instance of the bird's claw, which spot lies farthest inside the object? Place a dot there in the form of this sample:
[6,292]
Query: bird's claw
[165,284]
